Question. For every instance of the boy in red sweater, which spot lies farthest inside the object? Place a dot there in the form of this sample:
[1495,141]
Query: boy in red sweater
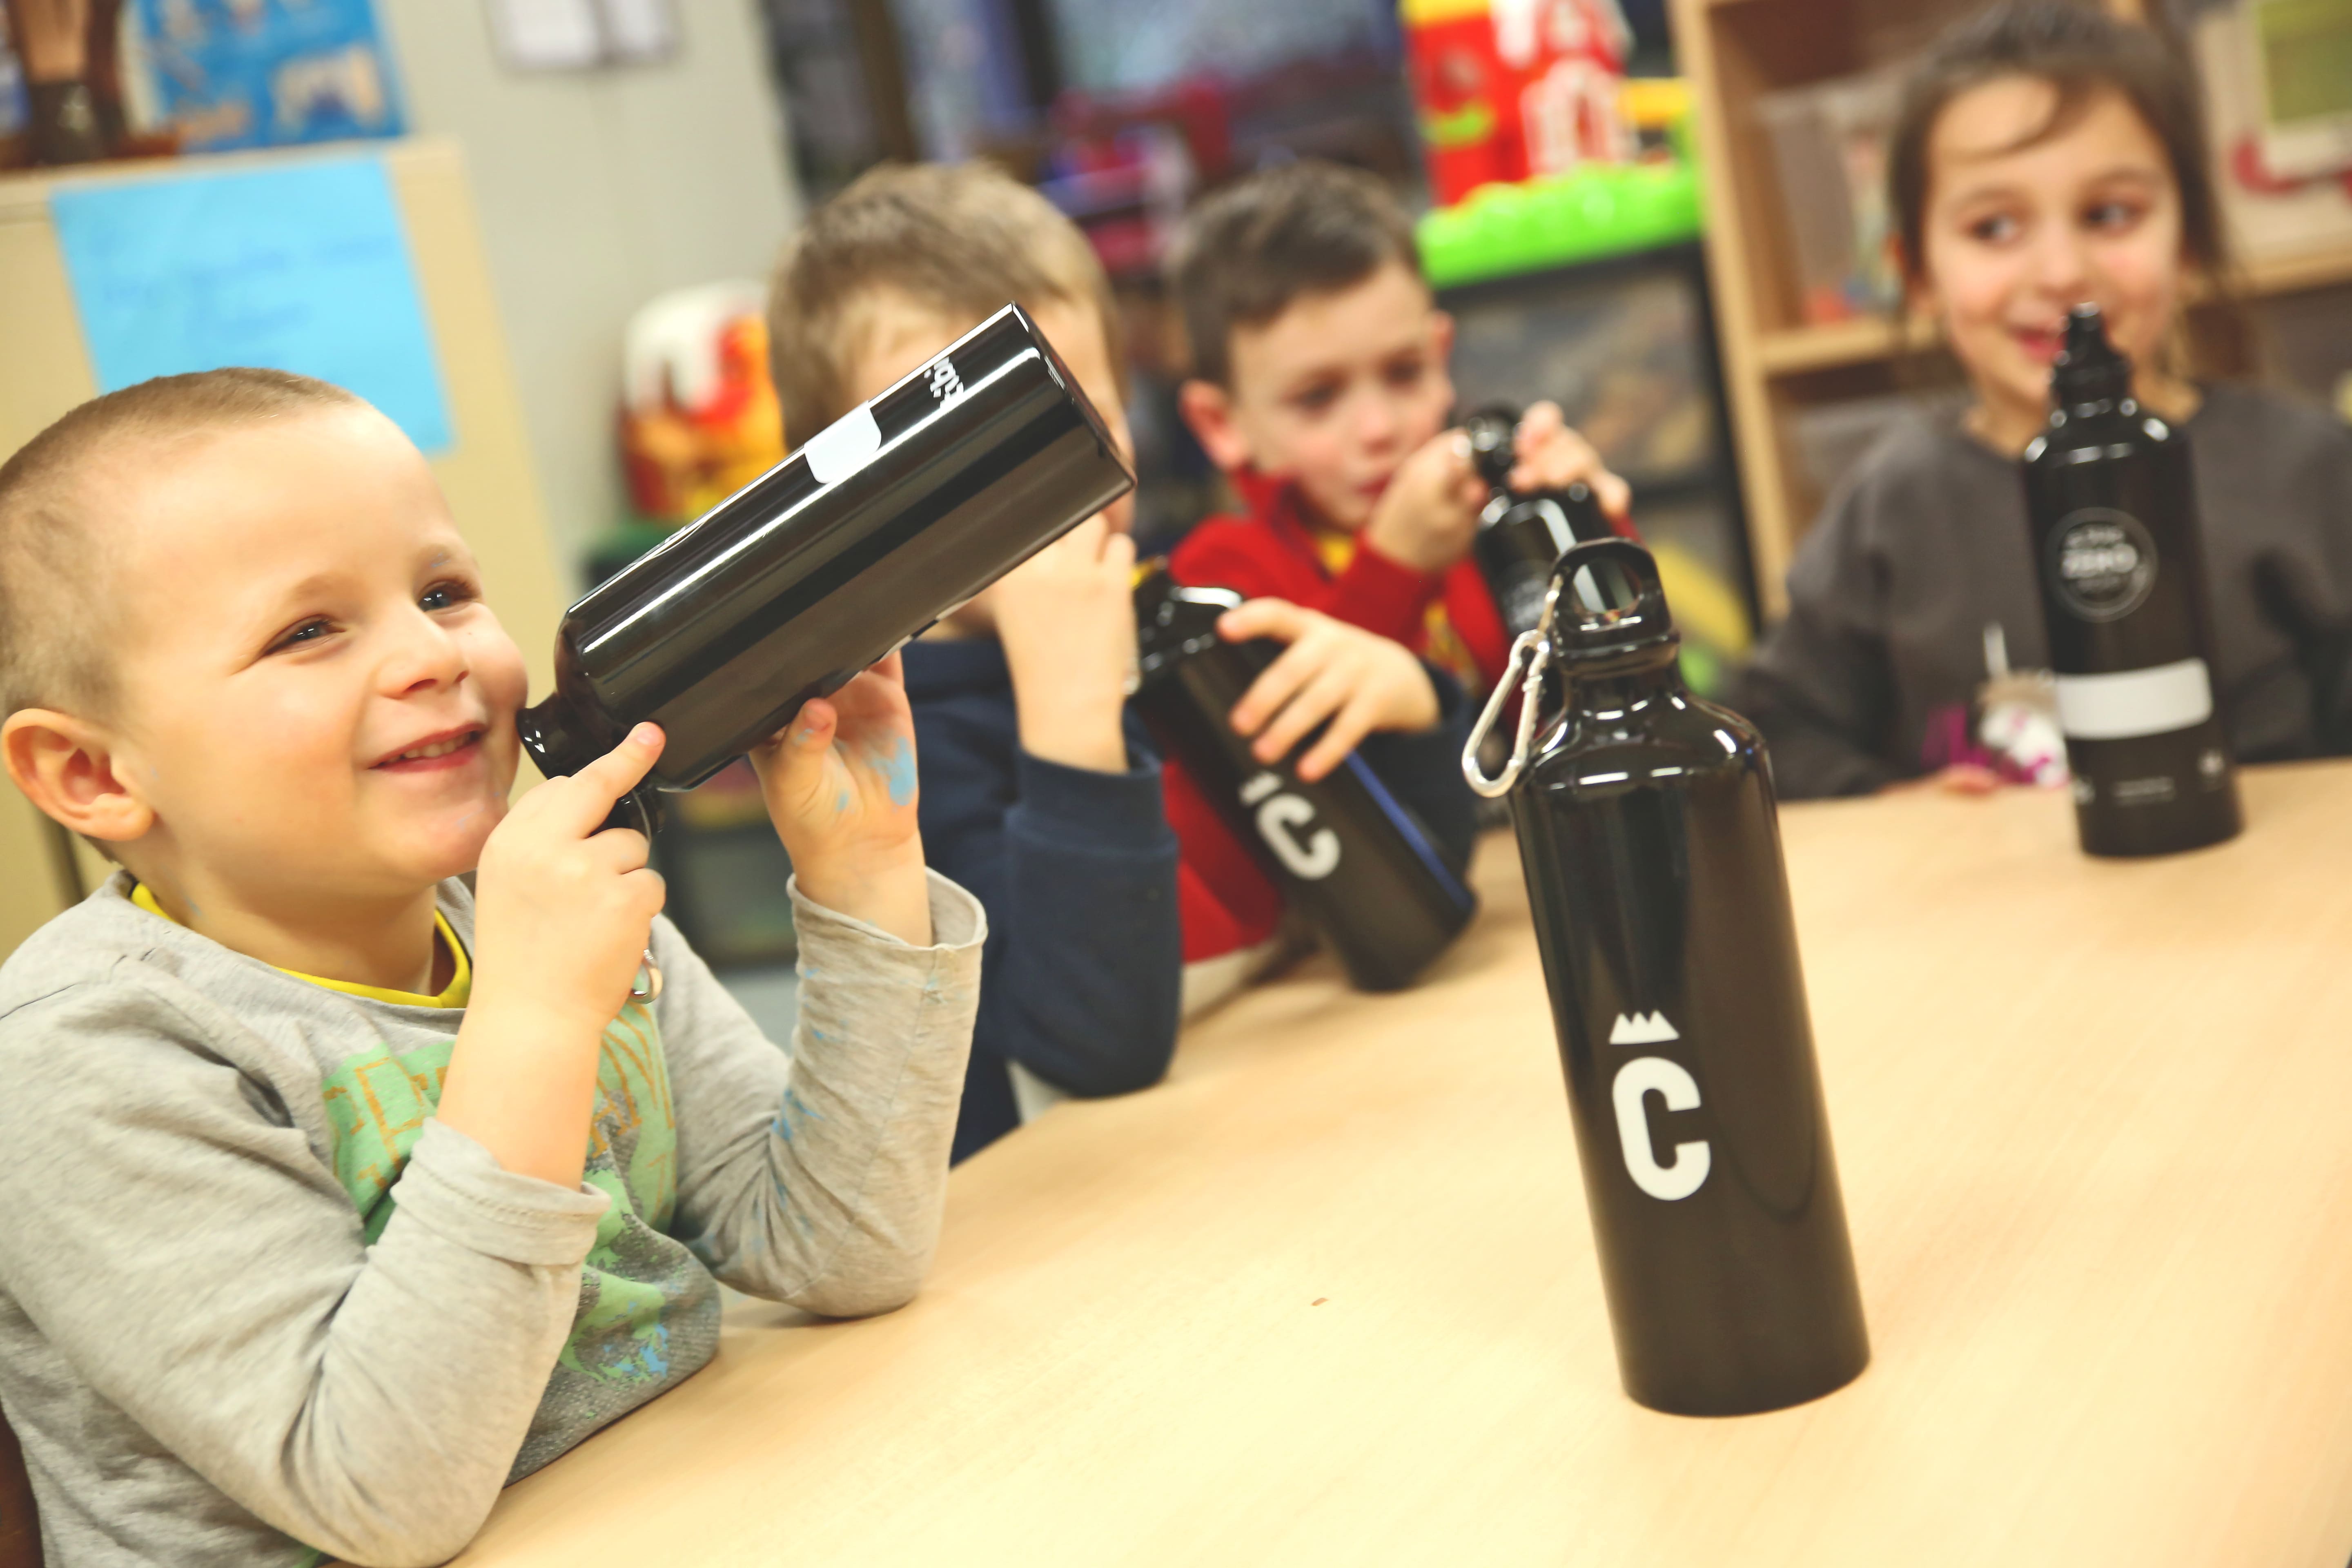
[1319,358]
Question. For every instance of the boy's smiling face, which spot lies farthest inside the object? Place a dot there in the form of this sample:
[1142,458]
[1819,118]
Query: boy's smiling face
[1334,394]
[312,692]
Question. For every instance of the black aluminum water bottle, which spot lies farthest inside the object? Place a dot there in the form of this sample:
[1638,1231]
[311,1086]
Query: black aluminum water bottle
[1521,536]
[904,508]
[1651,849]
[1382,892]
[2111,514]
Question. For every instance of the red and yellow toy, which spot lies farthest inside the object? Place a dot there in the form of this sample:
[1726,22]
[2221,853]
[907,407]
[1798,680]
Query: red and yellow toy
[699,418]
[1512,89]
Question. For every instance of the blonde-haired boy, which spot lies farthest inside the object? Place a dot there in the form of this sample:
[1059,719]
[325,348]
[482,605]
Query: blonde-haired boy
[333,1191]
[1041,791]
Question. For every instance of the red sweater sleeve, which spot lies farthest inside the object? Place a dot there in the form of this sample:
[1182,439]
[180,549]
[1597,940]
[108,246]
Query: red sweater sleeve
[1247,556]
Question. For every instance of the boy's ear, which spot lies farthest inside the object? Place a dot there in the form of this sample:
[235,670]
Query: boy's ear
[67,766]
[1208,410]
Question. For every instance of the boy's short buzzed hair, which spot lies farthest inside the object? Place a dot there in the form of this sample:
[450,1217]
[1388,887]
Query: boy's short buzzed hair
[55,618]
[965,239]
[1248,251]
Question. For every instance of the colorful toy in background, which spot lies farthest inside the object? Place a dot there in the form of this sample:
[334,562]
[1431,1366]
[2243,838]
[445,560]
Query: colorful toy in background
[268,73]
[1508,89]
[699,418]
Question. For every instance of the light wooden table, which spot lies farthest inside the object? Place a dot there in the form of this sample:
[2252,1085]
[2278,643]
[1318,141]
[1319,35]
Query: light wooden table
[1329,1296]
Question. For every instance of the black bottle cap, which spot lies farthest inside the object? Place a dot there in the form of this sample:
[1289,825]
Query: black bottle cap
[1609,603]
[2088,369]
[1172,623]
[1493,435]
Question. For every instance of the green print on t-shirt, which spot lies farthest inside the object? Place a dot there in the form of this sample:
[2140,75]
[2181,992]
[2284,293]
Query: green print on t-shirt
[377,1103]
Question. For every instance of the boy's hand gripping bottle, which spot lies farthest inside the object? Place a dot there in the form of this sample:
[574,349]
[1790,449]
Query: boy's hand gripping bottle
[1384,894]
[900,509]
[2111,517]
[1646,826]
[1521,536]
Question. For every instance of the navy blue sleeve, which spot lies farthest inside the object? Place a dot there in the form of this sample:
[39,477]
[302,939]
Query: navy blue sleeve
[1425,770]
[1081,975]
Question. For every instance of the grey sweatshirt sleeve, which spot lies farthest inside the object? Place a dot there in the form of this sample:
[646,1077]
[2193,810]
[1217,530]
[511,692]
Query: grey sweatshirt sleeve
[819,1179]
[1820,687]
[167,1230]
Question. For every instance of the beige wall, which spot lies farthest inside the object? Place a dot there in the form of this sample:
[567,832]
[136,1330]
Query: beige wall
[598,190]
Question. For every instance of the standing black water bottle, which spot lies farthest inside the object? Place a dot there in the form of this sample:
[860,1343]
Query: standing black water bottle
[1647,829]
[2112,517]
[902,509]
[1381,891]
[1520,537]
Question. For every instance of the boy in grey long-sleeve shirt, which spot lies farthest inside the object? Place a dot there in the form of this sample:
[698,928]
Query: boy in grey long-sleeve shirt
[1925,545]
[333,1196]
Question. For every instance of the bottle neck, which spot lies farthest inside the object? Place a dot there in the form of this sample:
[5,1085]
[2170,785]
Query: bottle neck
[1622,690]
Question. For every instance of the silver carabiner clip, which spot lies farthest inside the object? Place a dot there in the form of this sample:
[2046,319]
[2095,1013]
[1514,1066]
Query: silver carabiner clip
[647,988]
[1535,648]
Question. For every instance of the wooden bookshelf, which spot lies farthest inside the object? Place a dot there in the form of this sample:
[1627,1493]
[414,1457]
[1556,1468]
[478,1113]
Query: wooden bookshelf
[1775,362]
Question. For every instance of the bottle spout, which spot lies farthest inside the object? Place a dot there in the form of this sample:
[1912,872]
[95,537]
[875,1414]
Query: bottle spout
[1493,433]
[2089,369]
[1609,601]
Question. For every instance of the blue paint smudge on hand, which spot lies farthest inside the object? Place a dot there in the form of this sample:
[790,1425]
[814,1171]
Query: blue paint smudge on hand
[897,767]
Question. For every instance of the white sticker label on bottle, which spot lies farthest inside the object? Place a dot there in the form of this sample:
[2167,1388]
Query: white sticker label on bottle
[2135,702]
[843,446]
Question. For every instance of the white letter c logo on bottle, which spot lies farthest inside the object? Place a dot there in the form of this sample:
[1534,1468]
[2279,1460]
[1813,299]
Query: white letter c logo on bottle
[1645,1075]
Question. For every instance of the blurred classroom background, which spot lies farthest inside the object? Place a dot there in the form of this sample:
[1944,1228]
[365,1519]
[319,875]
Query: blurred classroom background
[538,230]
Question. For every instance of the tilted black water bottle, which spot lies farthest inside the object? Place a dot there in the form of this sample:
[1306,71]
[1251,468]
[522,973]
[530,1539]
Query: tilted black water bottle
[904,508]
[1381,891]
[1520,536]
[2111,514]
[1651,849]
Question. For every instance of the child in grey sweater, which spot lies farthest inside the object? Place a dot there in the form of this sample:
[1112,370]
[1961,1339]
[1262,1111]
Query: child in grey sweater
[2046,155]
[334,1194]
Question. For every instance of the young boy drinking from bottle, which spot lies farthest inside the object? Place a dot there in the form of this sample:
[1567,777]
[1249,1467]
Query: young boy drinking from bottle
[334,1193]
[1320,387]
[1041,791]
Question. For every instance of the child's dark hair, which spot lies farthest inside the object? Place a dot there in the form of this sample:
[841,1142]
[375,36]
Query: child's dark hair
[1308,227]
[2083,52]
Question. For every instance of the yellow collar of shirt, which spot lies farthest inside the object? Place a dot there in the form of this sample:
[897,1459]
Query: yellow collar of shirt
[461,972]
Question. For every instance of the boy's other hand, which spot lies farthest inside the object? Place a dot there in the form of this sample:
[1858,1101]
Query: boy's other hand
[562,911]
[1429,514]
[1551,457]
[839,782]
[1359,680]
[1067,619]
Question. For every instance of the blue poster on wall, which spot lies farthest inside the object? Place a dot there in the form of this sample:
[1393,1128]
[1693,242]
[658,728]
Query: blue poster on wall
[269,73]
[303,268]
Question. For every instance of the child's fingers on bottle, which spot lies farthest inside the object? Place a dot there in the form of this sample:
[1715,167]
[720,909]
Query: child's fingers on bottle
[1537,422]
[1274,687]
[1277,619]
[1320,698]
[651,890]
[1344,734]
[810,733]
[587,796]
[1615,496]
[620,849]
